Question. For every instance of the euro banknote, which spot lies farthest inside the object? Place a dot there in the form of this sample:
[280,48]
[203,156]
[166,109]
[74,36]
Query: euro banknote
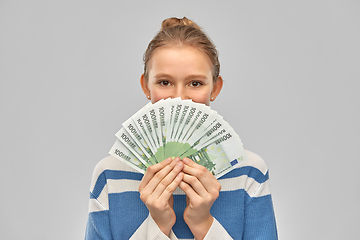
[179,128]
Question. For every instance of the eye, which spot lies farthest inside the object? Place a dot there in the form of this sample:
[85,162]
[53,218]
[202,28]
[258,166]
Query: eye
[164,83]
[196,84]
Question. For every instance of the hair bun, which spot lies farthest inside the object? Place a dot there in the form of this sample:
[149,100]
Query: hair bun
[172,22]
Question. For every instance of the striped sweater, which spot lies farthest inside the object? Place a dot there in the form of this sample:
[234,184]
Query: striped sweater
[243,210]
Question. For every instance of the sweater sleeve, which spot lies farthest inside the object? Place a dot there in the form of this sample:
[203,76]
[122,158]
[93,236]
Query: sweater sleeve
[98,225]
[150,230]
[260,221]
[217,232]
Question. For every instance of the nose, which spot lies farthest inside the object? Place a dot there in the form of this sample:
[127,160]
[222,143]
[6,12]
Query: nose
[180,91]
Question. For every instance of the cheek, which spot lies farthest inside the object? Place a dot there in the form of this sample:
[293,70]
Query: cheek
[201,98]
[158,95]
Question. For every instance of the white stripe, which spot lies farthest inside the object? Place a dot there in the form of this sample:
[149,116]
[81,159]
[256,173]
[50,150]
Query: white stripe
[250,185]
[263,190]
[122,185]
[241,182]
[103,197]
[109,163]
[231,184]
[178,191]
[95,206]
[255,161]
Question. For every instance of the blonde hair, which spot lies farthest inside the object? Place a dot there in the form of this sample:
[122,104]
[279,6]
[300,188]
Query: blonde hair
[175,31]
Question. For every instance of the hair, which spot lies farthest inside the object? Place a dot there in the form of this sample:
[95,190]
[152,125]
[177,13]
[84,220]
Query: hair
[175,31]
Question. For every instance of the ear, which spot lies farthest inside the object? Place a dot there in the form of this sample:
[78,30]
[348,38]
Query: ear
[218,84]
[144,86]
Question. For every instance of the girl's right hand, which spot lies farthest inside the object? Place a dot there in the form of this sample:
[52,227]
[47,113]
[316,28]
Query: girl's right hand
[156,191]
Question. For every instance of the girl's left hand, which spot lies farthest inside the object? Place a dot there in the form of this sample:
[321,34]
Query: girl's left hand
[201,189]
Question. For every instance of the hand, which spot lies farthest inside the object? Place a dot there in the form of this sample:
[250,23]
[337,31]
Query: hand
[201,189]
[156,191]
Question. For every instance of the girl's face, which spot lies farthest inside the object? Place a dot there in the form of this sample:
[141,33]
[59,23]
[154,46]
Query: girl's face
[180,71]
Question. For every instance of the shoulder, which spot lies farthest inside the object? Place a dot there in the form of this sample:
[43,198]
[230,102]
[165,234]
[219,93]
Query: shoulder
[258,175]
[251,176]
[255,161]
[112,163]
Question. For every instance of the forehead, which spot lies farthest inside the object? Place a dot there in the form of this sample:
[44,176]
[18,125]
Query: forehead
[179,60]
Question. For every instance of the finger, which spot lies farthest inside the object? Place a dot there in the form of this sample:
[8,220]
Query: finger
[166,184]
[158,177]
[196,185]
[189,191]
[200,172]
[152,170]
[169,190]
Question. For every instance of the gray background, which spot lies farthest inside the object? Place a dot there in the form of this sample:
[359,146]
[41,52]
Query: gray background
[70,73]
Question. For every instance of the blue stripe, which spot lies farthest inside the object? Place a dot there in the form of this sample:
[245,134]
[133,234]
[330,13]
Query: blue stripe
[259,214]
[126,214]
[116,174]
[112,174]
[98,226]
[249,171]
[99,185]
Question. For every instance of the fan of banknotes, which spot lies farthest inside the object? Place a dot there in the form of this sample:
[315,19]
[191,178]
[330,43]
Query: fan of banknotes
[178,128]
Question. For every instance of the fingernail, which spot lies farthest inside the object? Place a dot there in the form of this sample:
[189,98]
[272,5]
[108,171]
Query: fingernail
[185,160]
[177,159]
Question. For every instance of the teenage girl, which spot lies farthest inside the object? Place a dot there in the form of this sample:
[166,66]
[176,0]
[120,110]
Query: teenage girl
[177,198]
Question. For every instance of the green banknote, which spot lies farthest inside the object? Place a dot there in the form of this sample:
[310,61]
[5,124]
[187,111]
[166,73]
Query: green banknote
[179,128]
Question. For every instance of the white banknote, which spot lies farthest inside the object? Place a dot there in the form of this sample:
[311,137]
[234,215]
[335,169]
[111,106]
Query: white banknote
[179,128]
[122,153]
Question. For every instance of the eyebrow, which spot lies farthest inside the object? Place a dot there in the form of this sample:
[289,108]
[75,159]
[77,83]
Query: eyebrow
[192,76]
[162,75]
[196,76]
